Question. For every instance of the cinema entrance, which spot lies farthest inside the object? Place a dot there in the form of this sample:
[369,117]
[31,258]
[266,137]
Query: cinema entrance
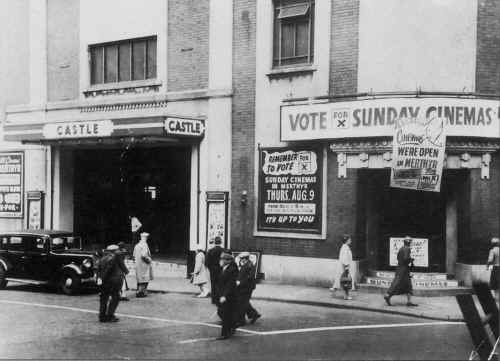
[436,218]
[147,185]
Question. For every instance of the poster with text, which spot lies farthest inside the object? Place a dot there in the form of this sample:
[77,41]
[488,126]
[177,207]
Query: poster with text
[419,251]
[216,224]
[11,184]
[290,190]
[418,153]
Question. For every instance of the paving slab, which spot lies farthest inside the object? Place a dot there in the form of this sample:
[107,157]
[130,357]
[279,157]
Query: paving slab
[437,308]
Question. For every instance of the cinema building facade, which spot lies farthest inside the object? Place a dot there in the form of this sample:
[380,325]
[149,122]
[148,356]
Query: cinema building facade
[327,101]
[114,115]
[269,123]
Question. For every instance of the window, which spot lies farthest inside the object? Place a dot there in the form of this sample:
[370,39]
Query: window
[62,243]
[123,61]
[293,32]
[15,244]
[34,244]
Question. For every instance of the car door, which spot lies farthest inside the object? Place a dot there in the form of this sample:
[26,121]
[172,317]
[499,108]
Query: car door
[14,247]
[35,260]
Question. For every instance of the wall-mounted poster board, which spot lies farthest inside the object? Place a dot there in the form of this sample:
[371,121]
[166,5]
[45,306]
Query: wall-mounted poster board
[254,258]
[419,251]
[418,153]
[217,205]
[35,210]
[290,190]
[11,184]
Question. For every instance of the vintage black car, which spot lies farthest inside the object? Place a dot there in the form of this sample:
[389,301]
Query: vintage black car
[46,256]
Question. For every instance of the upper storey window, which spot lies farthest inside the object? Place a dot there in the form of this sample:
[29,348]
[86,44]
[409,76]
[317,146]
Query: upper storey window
[293,32]
[126,60]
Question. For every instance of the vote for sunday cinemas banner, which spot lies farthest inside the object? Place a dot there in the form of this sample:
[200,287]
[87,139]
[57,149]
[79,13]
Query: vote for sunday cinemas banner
[290,190]
[418,153]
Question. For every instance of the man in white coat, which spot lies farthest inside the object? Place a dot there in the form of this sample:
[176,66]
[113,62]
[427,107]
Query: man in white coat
[143,266]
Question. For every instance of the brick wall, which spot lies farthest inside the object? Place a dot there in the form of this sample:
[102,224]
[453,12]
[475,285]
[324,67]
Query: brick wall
[488,47]
[243,115]
[63,42]
[341,218]
[484,215]
[188,30]
[344,47]
[342,193]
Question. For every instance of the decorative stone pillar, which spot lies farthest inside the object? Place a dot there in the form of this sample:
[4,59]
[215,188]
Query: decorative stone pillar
[464,160]
[485,166]
[342,160]
[364,157]
[387,157]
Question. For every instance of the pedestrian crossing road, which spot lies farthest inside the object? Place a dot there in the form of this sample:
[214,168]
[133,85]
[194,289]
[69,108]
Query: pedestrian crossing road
[36,323]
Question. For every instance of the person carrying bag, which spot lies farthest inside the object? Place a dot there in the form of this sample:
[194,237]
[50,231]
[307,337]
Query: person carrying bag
[345,259]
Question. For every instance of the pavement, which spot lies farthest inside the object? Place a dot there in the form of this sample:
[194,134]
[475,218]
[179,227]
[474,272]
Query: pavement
[443,308]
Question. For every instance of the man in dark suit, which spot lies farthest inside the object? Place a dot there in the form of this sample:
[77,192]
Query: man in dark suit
[245,284]
[111,271]
[212,263]
[226,286]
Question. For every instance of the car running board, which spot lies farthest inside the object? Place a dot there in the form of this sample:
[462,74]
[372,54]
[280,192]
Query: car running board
[21,280]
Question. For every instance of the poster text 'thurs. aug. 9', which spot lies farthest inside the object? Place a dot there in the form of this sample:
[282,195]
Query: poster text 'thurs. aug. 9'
[290,190]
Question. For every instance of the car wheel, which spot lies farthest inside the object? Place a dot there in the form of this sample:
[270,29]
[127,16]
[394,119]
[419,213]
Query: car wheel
[3,280]
[69,284]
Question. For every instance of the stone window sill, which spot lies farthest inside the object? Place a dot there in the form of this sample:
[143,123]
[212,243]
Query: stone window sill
[123,87]
[291,71]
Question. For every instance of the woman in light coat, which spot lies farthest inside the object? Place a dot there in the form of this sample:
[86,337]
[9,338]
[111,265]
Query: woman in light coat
[143,265]
[201,275]
[345,264]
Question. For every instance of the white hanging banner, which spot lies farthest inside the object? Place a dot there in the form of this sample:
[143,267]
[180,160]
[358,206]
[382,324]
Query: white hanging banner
[377,117]
[418,153]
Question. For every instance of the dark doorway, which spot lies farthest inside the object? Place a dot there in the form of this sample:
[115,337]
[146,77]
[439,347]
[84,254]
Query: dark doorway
[152,184]
[397,212]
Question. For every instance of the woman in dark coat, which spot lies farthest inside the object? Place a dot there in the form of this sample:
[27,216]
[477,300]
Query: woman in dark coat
[402,282]
[494,262]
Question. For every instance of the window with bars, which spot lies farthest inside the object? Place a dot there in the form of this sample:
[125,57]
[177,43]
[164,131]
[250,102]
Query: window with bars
[120,61]
[293,42]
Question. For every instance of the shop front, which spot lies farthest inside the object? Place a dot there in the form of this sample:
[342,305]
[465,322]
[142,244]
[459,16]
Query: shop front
[423,167]
[113,172]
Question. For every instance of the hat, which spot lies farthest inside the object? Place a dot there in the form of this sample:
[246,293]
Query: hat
[495,240]
[217,240]
[144,234]
[226,256]
[112,247]
[407,239]
[244,255]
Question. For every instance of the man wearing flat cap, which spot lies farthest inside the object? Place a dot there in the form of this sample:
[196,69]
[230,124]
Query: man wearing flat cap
[111,270]
[245,284]
[226,288]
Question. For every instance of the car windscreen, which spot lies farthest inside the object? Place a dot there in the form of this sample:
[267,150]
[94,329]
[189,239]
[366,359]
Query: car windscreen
[61,243]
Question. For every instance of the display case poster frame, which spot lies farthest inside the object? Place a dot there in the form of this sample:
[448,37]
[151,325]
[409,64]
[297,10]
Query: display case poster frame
[35,213]
[217,217]
[12,184]
[285,189]
[255,257]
